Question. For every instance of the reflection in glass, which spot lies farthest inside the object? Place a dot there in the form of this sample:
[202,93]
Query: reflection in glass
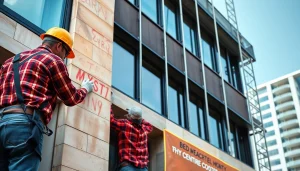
[151,90]
[149,7]
[190,38]
[176,109]
[207,54]
[170,18]
[123,67]
[194,120]
[43,13]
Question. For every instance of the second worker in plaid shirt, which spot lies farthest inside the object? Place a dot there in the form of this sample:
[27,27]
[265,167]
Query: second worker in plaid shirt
[132,140]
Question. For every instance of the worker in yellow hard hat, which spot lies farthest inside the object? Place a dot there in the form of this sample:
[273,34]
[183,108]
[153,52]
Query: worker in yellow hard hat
[30,83]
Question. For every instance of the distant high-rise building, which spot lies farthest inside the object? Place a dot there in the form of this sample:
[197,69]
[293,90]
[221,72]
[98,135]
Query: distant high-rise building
[280,106]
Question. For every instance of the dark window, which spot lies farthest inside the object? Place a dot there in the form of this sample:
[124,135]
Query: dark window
[268,124]
[262,90]
[271,143]
[151,88]
[244,146]
[150,8]
[208,52]
[270,133]
[273,152]
[225,66]
[235,73]
[171,19]
[190,36]
[42,13]
[275,162]
[233,141]
[196,120]
[265,107]
[267,115]
[216,130]
[263,99]
[176,104]
[123,70]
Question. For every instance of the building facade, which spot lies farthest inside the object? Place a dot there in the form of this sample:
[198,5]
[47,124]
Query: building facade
[163,57]
[280,106]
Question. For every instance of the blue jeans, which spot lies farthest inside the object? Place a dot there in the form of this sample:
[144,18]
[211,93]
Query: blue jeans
[133,168]
[16,151]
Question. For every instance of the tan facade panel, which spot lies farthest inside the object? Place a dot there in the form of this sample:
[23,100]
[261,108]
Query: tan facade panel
[7,25]
[26,37]
[102,58]
[100,10]
[11,44]
[73,158]
[87,122]
[98,147]
[83,46]
[93,36]
[95,22]
[72,137]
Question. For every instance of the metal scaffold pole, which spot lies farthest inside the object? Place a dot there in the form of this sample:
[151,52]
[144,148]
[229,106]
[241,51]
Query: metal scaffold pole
[250,90]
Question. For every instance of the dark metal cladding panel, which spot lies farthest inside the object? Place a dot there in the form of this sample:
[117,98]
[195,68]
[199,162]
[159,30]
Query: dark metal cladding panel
[127,17]
[213,83]
[175,54]
[152,36]
[194,68]
[236,102]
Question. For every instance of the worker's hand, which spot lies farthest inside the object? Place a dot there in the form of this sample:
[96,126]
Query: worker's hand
[88,85]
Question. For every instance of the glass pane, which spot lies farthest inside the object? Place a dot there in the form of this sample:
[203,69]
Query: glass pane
[189,38]
[182,110]
[123,70]
[213,123]
[207,54]
[232,140]
[151,90]
[170,17]
[131,1]
[202,121]
[194,124]
[149,7]
[43,13]
[173,105]
[225,71]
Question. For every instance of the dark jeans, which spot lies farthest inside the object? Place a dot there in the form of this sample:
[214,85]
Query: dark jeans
[16,152]
[133,168]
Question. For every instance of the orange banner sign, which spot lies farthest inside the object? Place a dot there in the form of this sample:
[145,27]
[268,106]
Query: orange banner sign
[182,155]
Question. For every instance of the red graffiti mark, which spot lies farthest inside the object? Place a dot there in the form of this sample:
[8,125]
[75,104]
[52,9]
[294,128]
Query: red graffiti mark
[99,9]
[101,41]
[99,87]
[93,104]
[80,75]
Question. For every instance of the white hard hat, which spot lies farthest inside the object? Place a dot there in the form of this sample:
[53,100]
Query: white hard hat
[135,112]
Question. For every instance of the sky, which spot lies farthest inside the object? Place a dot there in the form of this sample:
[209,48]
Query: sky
[273,28]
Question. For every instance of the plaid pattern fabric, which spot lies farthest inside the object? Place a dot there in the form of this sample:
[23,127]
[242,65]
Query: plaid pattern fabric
[43,78]
[132,140]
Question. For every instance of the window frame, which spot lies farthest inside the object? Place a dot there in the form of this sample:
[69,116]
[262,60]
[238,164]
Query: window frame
[64,22]
[187,20]
[157,72]
[134,52]
[199,103]
[158,9]
[177,20]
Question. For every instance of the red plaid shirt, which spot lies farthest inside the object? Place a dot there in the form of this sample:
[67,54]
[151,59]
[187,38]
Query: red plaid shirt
[132,140]
[43,78]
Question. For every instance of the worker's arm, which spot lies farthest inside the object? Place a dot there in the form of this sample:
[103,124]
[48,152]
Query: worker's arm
[147,126]
[117,124]
[62,84]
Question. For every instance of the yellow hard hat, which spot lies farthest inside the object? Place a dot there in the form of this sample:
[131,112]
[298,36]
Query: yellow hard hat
[62,35]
